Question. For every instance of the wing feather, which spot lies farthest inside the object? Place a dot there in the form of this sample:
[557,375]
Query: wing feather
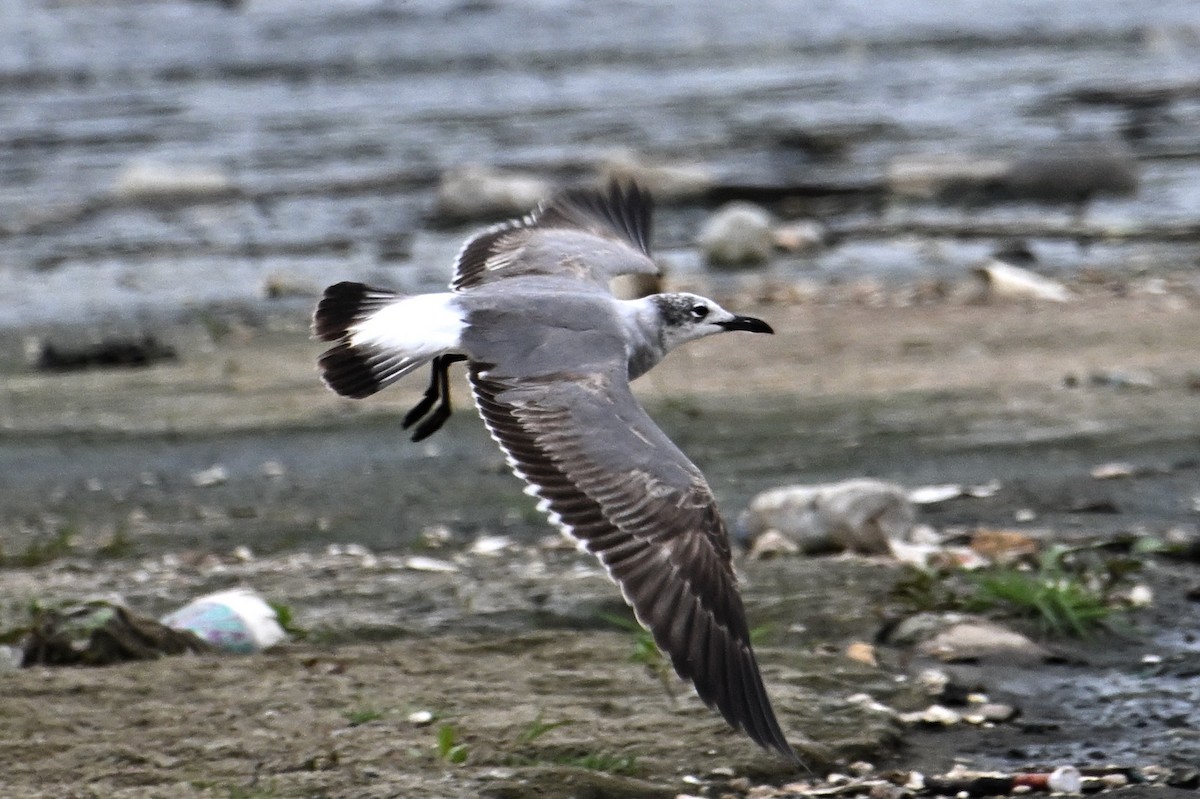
[645,511]
[583,234]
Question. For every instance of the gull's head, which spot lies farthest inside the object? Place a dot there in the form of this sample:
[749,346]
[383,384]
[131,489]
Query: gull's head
[686,317]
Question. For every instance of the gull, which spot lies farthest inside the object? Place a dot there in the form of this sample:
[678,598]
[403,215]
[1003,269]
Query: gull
[550,354]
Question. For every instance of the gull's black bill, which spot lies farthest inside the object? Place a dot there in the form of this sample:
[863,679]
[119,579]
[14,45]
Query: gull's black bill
[748,323]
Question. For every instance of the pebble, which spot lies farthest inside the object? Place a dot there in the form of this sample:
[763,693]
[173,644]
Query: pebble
[420,718]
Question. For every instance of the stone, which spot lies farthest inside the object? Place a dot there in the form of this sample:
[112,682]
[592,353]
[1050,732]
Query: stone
[861,515]
[738,234]
[476,191]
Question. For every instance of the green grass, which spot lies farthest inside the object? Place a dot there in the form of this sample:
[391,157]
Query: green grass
[449,749]
[1067,591]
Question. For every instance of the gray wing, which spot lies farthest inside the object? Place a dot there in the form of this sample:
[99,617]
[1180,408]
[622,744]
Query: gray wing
[586,234]
[612,480]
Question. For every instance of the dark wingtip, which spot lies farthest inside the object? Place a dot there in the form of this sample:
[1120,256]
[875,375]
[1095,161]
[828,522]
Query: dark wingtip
[622,206]
[345,304]
[347,370]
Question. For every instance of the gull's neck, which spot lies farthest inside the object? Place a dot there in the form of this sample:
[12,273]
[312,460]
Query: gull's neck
[643,334]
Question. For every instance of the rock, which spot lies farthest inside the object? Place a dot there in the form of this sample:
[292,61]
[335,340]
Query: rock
[862,652]
[1005,281]
[475,191]
[738,234]
[933,176]
[1073,172]
[420,718]
[668,182]
[423,563]
[212,476]
[152,181]
[861,515]
[979,639]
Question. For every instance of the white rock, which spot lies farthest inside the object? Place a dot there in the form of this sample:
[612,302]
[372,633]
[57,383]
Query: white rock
[212,476]
[423,563]
[1005,281]
[739,233]
[152,180]
[860,515]
[420,718]
[476,191]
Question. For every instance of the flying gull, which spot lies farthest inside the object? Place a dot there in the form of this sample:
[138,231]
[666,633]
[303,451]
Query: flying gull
[550,354]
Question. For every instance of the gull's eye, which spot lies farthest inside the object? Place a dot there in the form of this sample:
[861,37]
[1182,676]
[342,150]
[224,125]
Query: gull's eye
[699,311]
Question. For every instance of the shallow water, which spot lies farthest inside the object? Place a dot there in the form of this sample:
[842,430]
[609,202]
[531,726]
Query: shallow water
[326,125]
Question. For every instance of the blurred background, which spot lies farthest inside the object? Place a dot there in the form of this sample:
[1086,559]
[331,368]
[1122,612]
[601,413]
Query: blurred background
[164,157]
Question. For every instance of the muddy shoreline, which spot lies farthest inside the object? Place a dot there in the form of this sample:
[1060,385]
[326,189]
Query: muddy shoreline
[911,399]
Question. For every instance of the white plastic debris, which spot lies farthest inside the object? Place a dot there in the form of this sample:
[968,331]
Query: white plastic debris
[1005,281]
[238,621]
[933,494]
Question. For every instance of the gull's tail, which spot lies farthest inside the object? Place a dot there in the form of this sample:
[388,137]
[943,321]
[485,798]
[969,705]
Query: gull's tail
[381,335]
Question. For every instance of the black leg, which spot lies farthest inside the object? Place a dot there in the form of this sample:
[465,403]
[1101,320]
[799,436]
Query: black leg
[439,392]
[431,396]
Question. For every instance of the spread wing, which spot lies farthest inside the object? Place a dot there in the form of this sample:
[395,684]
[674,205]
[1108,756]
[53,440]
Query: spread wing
[612,480]
[586,234]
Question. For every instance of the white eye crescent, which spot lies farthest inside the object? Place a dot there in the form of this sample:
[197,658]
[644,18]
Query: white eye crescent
[699,311]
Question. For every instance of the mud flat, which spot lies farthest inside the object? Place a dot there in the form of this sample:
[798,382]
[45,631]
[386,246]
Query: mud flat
[333,503]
